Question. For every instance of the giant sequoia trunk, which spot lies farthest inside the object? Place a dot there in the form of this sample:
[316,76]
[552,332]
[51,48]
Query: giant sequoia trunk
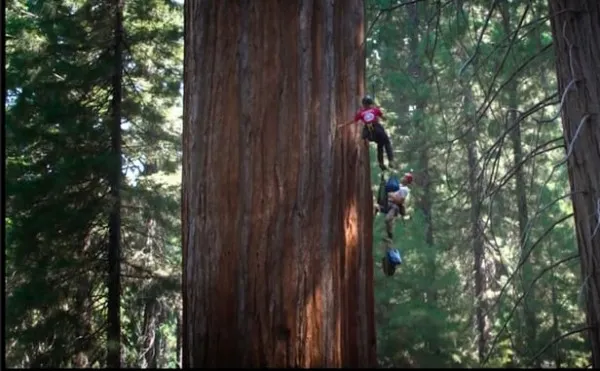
[277,204]
[575,29]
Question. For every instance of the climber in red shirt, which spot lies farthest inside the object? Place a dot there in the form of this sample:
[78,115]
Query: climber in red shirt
[372,130]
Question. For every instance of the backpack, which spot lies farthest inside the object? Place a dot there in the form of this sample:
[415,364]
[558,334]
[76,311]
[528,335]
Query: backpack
[393,256]
[392,184]
[382,199]
[390,261]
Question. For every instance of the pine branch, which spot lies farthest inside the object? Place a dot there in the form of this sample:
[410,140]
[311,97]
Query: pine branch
[478,45]
[400,5]
[535,152]
[559,338]
[521,297]
[525,257]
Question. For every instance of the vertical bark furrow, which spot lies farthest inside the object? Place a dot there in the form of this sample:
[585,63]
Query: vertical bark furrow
[304,79]
[363,267]
[366,339]
[275,300]
[200,223]
[245,184]
[355,208]
[260,134]
[346,146]
[337,186]
[310,241]
[327,118]
[289,186]
[193,203]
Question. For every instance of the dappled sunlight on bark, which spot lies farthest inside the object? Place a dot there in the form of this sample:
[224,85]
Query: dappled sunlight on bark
[351,227]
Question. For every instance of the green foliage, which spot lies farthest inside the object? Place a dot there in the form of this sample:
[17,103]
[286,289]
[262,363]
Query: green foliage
[58,84]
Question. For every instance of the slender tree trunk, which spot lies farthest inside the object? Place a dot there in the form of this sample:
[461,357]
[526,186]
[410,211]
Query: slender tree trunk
[149,337]
[526,275]
[114,233]
[478,251]
[159,341]
[83,305]
[555,321]
[477,240]
[575,30]
[475,198]
[178,342]
[421,105]
[528,341]
[424,200]
[277,203]
[150,344]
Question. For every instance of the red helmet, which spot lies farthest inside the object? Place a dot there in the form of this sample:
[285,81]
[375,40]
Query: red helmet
[408,177]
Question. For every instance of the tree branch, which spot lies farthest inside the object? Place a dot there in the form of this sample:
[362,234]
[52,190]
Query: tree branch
[559,338]
[521,297]
[525,257]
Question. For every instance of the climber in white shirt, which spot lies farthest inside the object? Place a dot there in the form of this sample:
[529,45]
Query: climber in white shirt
[396,201]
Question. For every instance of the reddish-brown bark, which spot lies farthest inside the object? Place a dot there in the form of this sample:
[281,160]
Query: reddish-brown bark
[277,204]
[575,30]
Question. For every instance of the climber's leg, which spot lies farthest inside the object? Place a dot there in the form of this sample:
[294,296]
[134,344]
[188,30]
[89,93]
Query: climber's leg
[390,216]
[383,140]
[365,132]
[380,156]
[402,210]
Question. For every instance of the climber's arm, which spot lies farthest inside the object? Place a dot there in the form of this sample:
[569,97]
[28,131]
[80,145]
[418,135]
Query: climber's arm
[356,120]
[346,123]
